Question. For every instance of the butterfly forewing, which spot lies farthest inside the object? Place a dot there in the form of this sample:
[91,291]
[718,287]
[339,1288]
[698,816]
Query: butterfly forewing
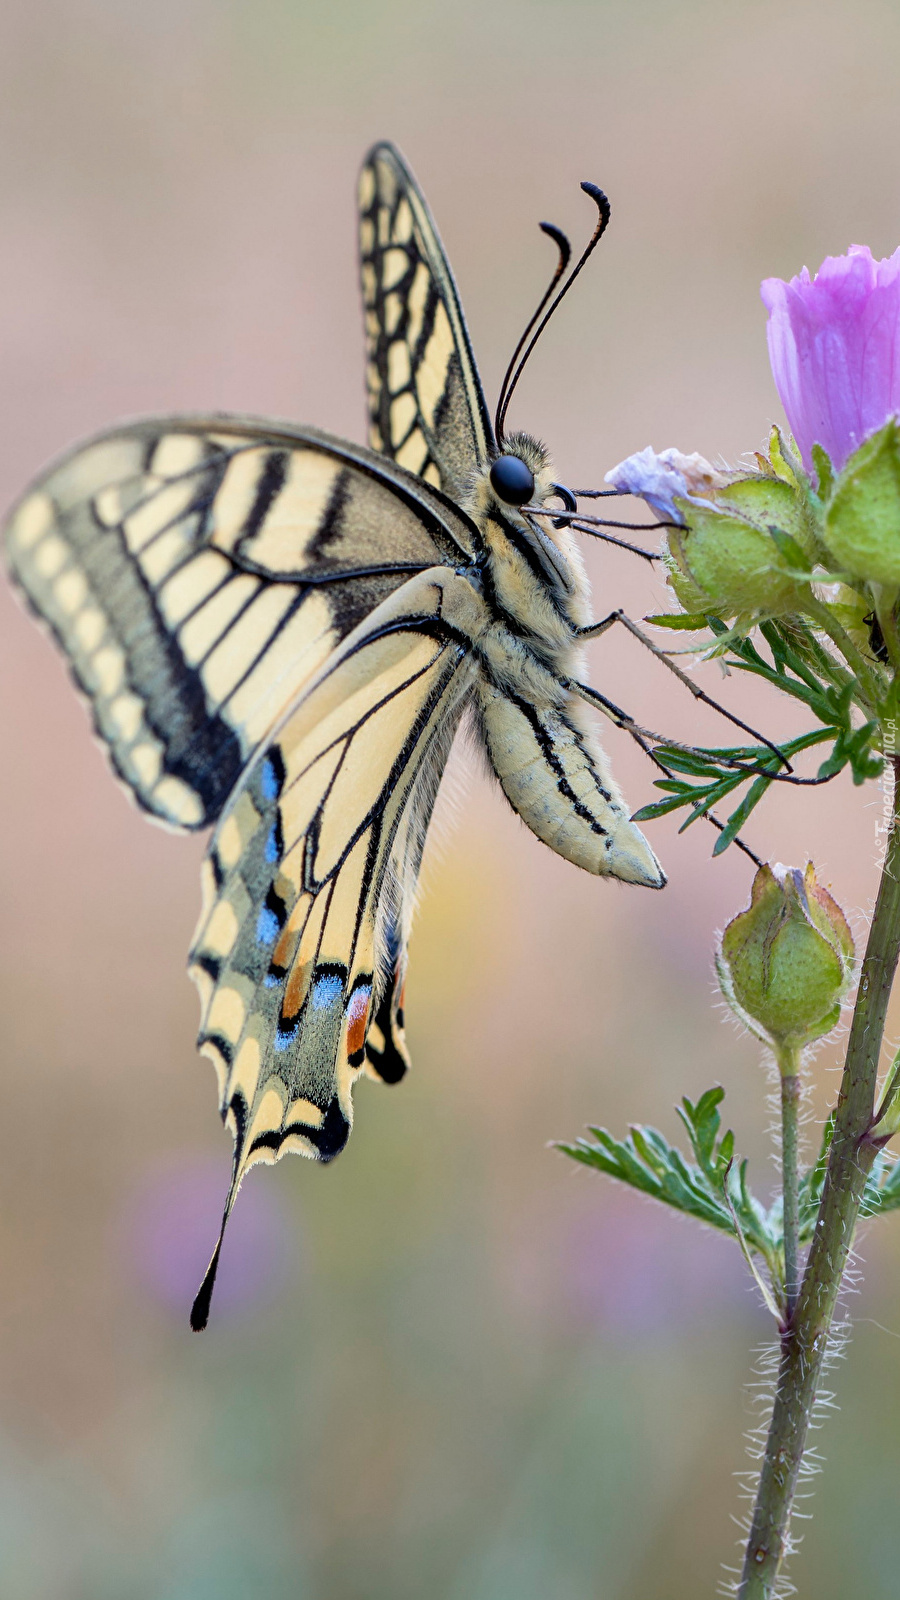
[197,574]
[426,406]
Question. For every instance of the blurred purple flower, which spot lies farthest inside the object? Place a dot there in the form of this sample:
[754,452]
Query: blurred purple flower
[172,1225]
[636,1271]
[660,478]
[834,345]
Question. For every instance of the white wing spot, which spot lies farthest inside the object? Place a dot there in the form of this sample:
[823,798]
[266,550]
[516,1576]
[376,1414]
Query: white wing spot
[178,801]
[126,715]
[71,591]
[33,519]
[146,760]
[50,556]
[109,668]
[177,453]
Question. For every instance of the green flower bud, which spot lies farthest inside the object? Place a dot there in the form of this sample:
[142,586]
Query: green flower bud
[862,519]
[741,554]
[785,963]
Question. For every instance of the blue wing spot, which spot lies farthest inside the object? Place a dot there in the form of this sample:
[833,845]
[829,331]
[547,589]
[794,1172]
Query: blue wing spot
[267,781]
[272,981]
[272,850]
[271,776]
[284,1039]
[326,990]
[268,926]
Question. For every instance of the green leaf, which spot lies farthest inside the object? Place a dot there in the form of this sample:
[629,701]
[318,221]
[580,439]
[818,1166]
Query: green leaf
[646,1161]
[660,808]
[696,763]
[707,798]
[740,814]
[686,621]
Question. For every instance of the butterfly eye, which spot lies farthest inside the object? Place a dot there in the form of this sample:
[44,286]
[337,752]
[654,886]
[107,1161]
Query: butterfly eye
[512,480]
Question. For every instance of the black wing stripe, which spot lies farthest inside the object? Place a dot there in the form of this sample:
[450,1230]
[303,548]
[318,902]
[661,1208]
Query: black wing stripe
[153,578]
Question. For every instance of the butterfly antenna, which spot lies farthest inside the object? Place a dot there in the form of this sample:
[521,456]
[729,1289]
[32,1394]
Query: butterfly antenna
[520,356]
[565,252]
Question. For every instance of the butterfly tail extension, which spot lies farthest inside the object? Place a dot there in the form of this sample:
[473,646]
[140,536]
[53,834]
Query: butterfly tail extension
[556,776]
[203,1299]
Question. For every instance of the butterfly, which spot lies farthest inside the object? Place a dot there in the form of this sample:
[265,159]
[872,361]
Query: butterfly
[279,632]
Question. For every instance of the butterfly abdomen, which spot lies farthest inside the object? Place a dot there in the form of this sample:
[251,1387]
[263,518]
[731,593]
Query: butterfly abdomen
[556,777]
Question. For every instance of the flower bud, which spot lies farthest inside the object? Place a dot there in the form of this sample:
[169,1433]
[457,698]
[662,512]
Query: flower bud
[785,963]
[728,560]
[862,519]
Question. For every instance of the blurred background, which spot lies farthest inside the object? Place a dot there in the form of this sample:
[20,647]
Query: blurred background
[452,1364]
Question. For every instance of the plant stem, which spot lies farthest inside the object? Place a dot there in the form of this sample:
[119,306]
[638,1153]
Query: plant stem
[804,1336]
[790,1174]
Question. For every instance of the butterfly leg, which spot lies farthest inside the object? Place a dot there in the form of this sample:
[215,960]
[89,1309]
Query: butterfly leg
[596,629]
[622,719]
[646,739]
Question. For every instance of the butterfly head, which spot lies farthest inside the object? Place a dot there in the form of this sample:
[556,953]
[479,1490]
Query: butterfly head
[520,475]
[525,553]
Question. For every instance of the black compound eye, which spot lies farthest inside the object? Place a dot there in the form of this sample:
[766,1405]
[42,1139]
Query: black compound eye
[512,480]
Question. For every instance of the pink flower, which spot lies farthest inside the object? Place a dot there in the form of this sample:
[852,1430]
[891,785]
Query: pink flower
[834,345]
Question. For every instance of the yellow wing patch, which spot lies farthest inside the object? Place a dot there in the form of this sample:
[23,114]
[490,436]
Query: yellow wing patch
[198,574]
[426,406]
[300,947]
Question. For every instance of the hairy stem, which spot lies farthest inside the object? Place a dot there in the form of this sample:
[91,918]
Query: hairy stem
[804,1336]
[790,1174]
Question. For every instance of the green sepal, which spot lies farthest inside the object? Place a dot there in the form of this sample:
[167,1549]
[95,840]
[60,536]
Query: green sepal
[824,472]
[862,521]
[688,622]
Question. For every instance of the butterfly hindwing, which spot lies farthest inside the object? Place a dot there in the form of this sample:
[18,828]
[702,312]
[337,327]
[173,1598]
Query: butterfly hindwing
[426,405]
[300,950]
[198,572]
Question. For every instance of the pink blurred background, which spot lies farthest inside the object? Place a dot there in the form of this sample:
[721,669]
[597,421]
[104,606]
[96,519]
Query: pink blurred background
[451,1364]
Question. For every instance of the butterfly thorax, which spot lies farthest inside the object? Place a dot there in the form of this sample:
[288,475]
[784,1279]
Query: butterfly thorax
[532,571]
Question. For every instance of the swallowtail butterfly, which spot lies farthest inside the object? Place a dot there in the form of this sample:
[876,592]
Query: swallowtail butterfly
[279,632]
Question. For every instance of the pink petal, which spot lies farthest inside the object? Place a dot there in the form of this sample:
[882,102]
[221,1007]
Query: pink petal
[834,345]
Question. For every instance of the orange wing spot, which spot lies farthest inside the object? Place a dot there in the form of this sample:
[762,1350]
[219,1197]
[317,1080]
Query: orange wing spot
[284,949]
[357,1020]
[296,989]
